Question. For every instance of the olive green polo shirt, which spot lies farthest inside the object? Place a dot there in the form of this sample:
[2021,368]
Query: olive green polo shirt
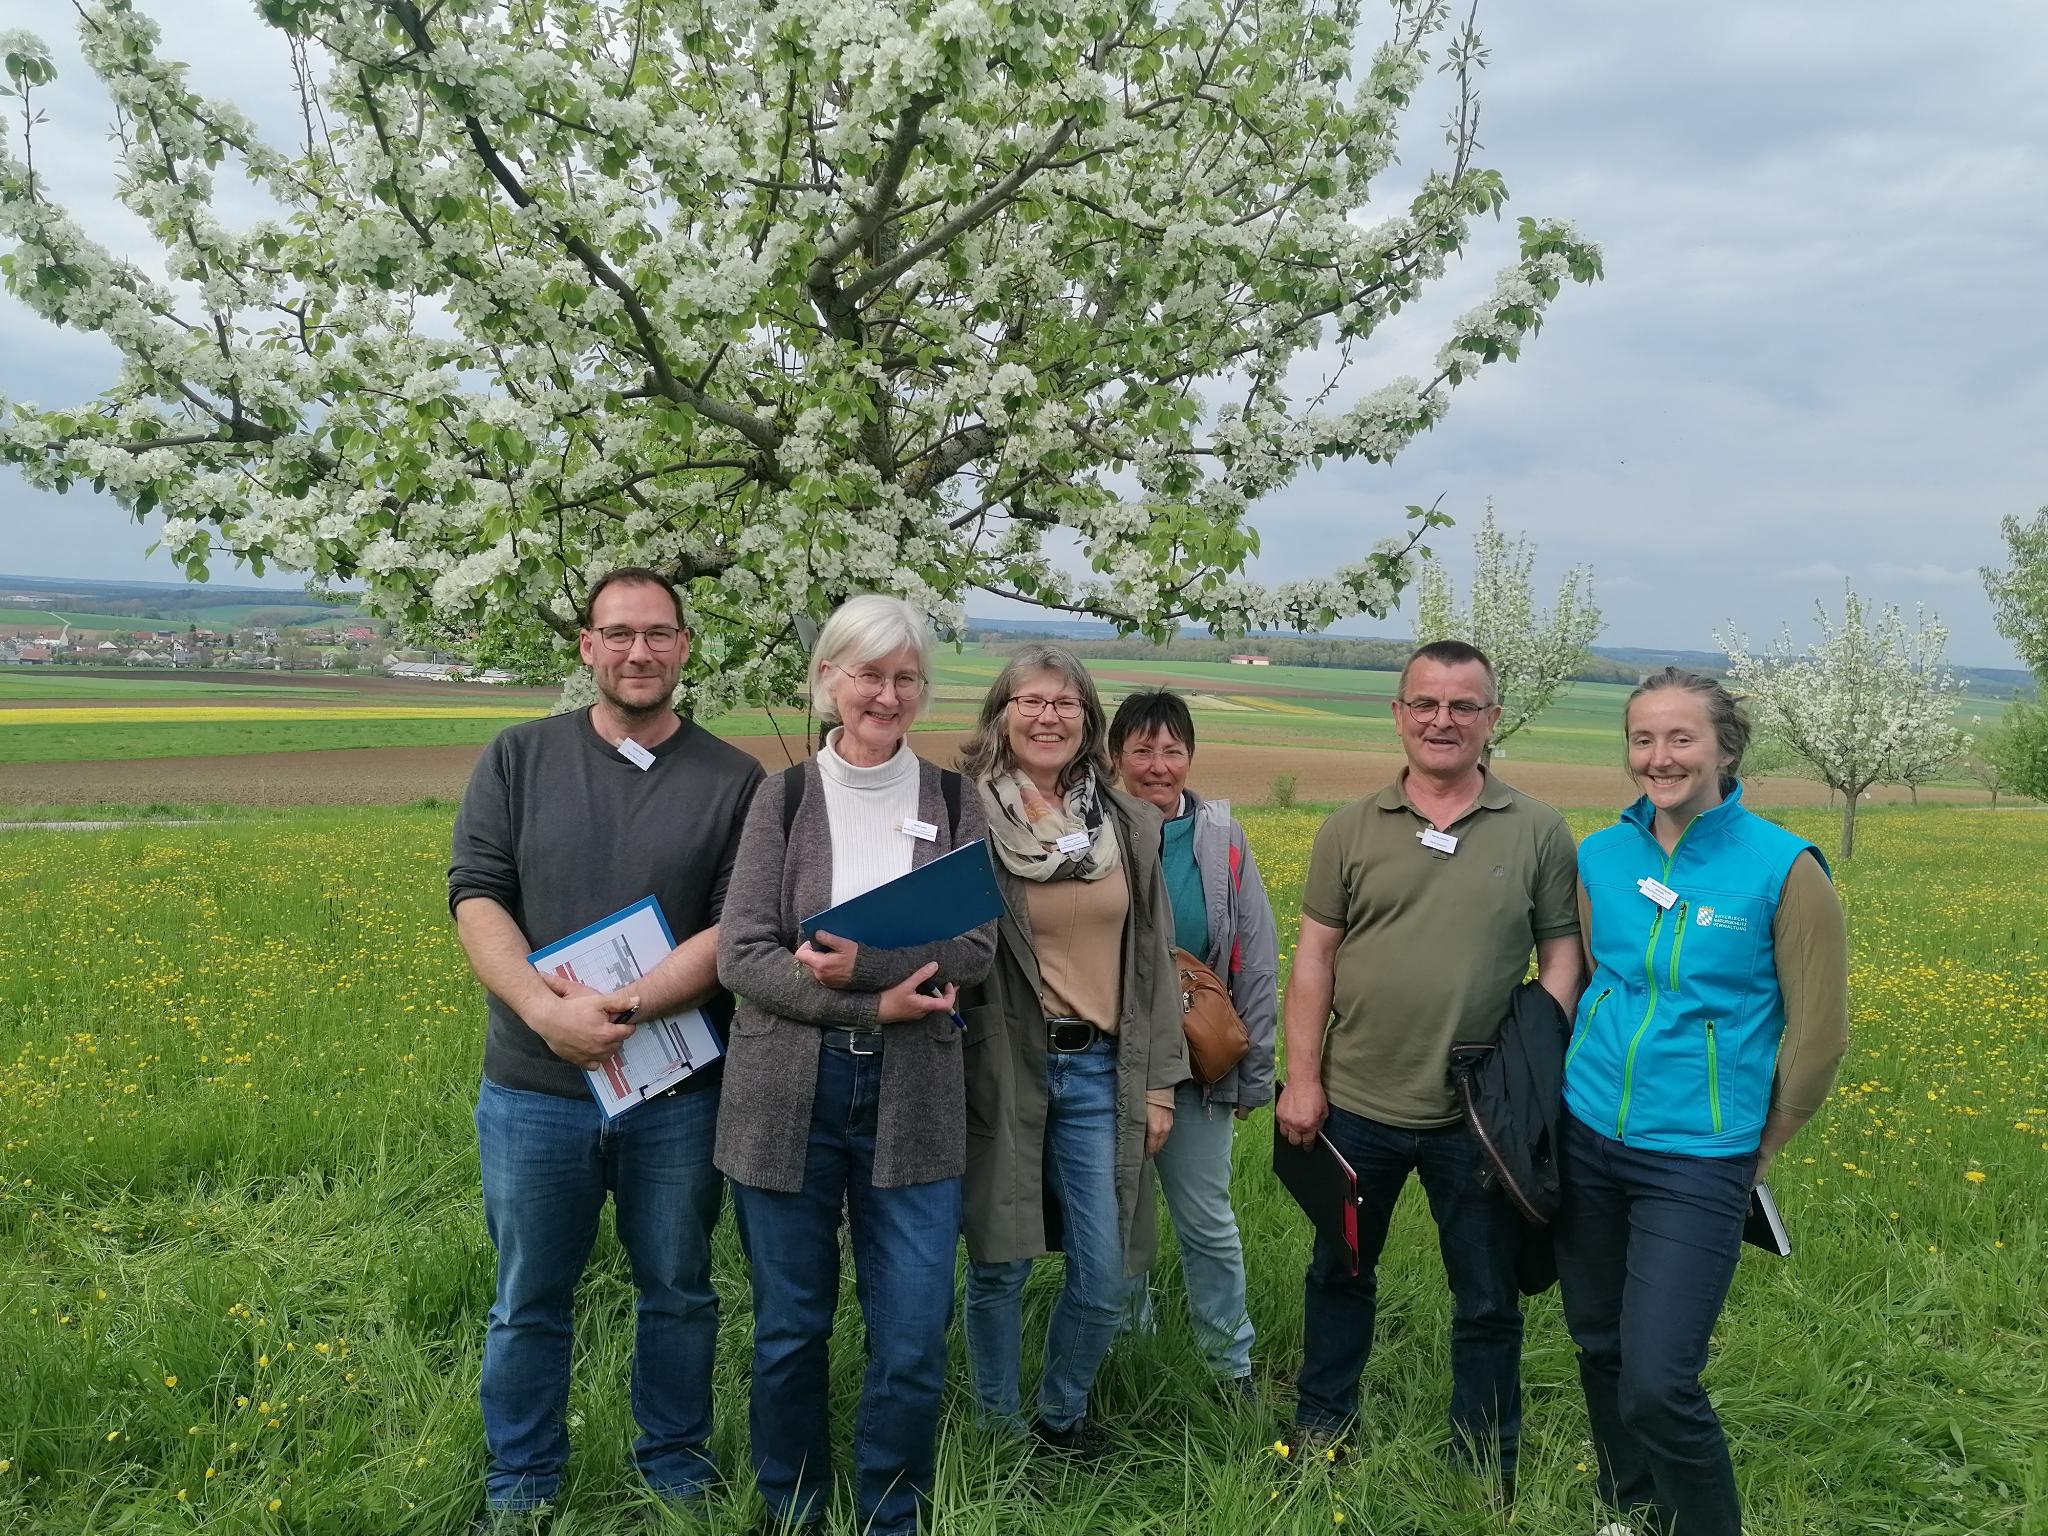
[1434,943]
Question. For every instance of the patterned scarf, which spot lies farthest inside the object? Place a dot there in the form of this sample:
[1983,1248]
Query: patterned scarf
[1026,827]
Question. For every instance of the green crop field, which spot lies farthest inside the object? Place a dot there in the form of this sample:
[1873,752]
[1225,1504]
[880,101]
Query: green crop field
[243,1271]
[95,741]
[54,684]
[15,617]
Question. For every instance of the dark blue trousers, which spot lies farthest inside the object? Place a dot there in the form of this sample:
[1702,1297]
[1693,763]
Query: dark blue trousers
[1476,1234]
[903,1240]
[1646,1248]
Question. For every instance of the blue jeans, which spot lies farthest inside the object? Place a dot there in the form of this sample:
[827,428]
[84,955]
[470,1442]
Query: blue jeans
[1476,1233]
[1194,1171]
[1080,1173]
[1646,1248]
[903,1244]
[547,1164]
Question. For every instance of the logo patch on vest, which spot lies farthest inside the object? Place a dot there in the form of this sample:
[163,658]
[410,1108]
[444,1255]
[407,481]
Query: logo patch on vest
[1708,917]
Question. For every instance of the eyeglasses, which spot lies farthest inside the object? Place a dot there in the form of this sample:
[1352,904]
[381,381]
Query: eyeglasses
[660,638]
[869,685]
[1464,711]
[1145,757]
[1031,706]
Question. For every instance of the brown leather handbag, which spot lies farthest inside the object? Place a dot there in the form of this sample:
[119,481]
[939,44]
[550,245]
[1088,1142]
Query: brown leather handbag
[1217,1038]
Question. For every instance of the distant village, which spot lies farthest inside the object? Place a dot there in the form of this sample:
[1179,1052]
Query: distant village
[338,647]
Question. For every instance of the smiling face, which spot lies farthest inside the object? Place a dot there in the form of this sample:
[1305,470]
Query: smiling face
[636,682]
[1672,752]
[1155,768]
[1437,742]
[871,725]
[1043,741]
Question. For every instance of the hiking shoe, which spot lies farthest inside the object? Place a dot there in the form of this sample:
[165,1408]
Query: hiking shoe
[1083,1439]
[1304,1446]
[1239,1389]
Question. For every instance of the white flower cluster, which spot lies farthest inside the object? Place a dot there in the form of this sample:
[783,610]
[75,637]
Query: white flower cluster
[796,301]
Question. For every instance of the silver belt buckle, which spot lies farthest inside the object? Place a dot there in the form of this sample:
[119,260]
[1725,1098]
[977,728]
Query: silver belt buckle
[854,1037]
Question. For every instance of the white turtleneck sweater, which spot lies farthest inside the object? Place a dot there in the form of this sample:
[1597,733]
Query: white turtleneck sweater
[867,808]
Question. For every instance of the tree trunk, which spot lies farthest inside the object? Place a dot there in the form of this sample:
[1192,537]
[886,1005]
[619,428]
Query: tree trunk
[1848,826]
[1994,798]
[1914,791]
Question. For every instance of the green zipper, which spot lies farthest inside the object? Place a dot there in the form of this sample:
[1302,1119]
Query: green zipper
[1628,1067]
[1713,1079]
[1678,943]
[1591,1014]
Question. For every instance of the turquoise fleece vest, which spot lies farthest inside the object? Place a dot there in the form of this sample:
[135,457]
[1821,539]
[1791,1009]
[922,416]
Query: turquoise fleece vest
[1676,1039]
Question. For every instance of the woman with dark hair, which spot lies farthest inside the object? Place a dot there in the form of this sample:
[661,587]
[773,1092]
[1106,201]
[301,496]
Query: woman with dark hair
[1711,1030]
[1222,918]
[1074,1046]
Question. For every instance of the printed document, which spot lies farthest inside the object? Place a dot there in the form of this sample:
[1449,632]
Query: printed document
[615,952]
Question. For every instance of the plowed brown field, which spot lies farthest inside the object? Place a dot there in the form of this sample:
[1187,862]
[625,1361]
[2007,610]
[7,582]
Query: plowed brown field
[400,775]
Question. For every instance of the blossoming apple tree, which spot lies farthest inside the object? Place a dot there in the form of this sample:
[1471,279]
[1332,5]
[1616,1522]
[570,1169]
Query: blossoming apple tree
[788,298]
[1533,654]
[1867,704]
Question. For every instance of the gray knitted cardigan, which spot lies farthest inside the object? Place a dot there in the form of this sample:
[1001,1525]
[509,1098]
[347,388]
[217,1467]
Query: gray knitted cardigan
[771,1068]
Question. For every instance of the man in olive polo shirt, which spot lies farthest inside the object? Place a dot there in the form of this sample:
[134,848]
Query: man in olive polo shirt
[1421,907]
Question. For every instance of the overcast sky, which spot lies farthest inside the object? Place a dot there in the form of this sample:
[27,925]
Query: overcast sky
[1820,353]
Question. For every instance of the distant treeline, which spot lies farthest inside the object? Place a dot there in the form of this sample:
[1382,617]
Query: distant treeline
[1335,651]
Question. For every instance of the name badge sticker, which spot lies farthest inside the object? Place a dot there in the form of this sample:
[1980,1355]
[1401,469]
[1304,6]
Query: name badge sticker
[636,754]
[923,831]
[1442,842]
[1075,842]
[1658,892]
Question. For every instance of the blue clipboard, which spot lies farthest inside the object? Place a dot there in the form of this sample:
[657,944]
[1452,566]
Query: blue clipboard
[955,892]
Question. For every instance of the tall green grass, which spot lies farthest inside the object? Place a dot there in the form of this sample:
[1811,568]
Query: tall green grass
[240,1230]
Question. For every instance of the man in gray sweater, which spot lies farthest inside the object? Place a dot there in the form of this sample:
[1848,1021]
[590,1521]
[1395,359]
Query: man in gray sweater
[565,821]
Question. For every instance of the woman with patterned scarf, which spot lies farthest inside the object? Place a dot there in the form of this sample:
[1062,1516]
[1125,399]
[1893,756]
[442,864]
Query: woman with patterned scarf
[1074,1043]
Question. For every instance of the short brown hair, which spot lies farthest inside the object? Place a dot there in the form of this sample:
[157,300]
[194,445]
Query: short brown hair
[1452,653]
[986,753]
[632,575]
[1149,710]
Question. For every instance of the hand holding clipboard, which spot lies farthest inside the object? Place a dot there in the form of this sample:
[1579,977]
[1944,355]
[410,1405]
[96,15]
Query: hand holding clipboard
[1323,1184]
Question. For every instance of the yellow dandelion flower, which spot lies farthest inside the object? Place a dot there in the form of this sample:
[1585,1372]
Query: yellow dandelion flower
[170,1381]
[1282,1448]
[113,1435]
[183,1496]
[262,1361]
[1337,1517]
[6,1465]
[274,1505]
[1975,1176]
[210,1473]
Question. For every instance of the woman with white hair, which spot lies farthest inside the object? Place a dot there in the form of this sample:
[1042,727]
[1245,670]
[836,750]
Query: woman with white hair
[843,1082]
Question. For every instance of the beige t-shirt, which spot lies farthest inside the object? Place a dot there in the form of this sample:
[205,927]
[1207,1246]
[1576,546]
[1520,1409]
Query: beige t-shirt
[1434,943]
[1077,932]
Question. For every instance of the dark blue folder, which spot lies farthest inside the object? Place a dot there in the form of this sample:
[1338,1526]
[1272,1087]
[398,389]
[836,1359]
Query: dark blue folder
[955,892]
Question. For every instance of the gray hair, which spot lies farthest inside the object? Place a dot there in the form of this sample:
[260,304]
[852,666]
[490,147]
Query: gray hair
[986,753]
[864,629]
[1730,721]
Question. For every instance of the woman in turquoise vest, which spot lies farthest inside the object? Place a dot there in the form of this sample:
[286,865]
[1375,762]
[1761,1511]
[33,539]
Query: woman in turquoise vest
[1710,1032]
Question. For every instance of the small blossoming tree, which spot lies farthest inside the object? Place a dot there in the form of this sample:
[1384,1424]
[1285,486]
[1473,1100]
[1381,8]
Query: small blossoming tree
[1533,654]
[2019,589]
[1862,706]
[784,297]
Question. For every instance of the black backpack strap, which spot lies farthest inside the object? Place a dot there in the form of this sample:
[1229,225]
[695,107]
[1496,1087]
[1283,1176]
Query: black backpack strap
[792,796]
[949,786]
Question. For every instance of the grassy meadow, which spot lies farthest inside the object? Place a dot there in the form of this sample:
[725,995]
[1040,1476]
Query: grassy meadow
[243,1271]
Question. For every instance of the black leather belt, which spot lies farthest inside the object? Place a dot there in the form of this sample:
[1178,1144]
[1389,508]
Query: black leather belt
[1070,1035]
[855,1042]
